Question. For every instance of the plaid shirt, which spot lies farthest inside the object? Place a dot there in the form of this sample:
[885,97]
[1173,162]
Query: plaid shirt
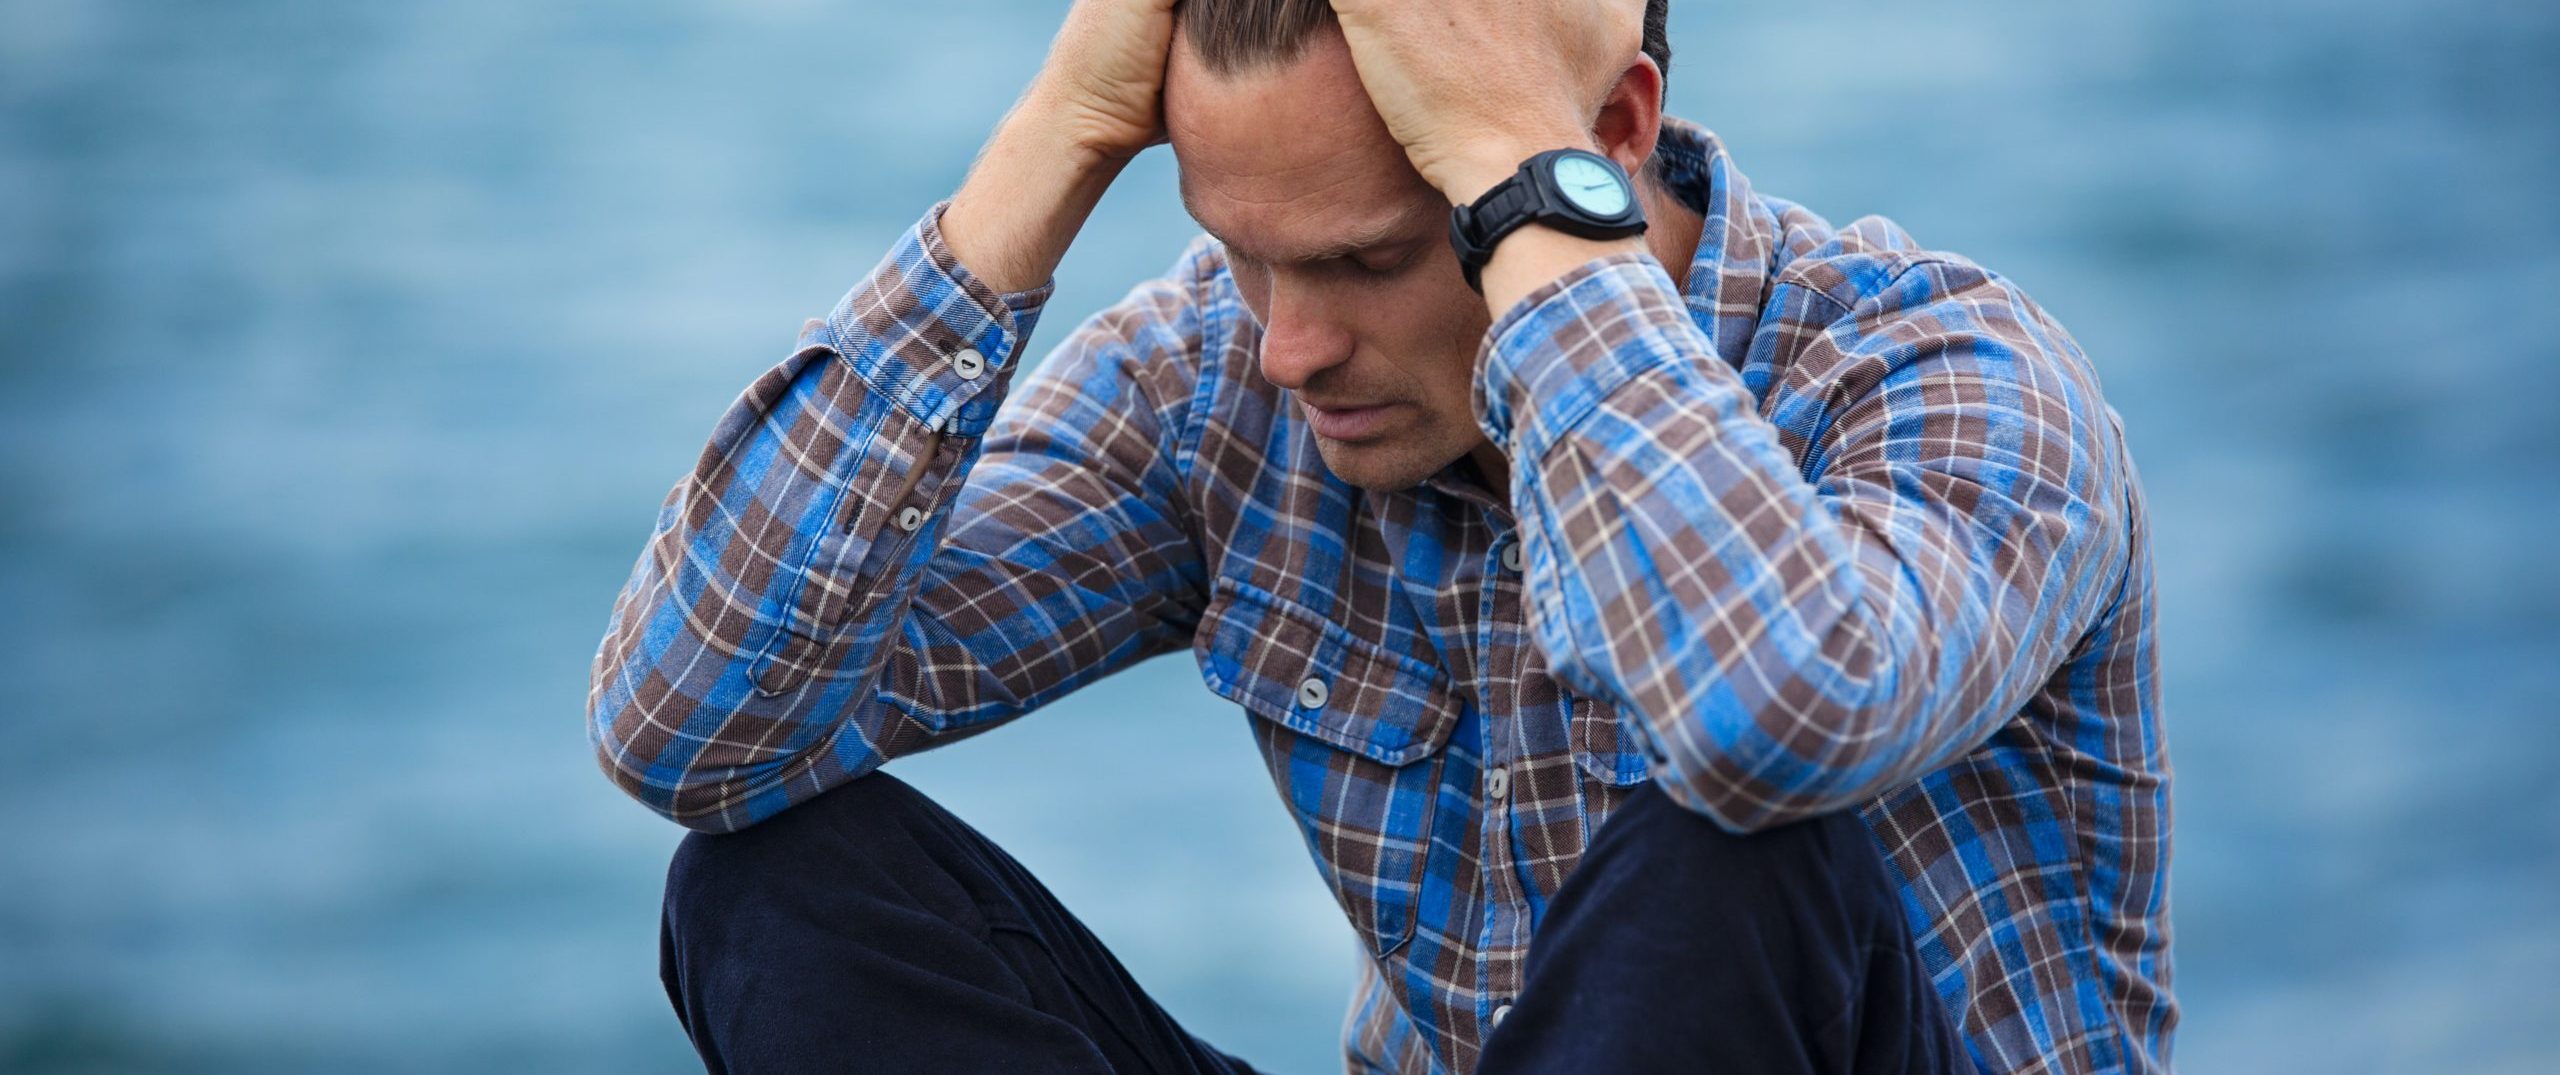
[1843,526]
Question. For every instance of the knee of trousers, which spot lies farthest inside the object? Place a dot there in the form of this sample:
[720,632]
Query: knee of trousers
[1652,844]
[859,842]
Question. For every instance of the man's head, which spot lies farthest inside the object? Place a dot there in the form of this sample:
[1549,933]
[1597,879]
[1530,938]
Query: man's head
[1340,248]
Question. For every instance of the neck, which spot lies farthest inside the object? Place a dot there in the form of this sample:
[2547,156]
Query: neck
[1673,231]
[1493,467]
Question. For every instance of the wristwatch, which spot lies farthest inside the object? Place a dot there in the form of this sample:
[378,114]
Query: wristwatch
[1574,191]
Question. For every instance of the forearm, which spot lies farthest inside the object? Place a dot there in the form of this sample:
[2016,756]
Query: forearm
[737,674]
[1794,635]
[1026,198]
[792,530]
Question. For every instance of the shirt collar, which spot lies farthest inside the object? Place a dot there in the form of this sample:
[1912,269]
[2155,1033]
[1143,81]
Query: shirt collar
[1737,240]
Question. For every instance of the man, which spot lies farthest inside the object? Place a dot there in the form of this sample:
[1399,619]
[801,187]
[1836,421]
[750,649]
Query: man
[1724,645]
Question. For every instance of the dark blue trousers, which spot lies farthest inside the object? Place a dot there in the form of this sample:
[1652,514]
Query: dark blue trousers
[868,929]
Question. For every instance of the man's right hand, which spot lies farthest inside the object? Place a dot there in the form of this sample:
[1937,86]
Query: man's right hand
[1095,104]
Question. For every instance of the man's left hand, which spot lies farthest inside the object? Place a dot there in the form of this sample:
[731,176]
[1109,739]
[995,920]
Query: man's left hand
[1473,87]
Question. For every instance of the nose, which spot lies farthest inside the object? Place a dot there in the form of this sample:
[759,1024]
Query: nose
[1300,337]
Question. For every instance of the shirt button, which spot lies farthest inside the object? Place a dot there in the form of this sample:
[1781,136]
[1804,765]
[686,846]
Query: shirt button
[1511,557]
[910,517]
[1500,1010]
[1312,693]
[1498,782]
[969,364]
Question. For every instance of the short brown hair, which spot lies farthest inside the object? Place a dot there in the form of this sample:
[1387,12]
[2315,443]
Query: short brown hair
[1232,36]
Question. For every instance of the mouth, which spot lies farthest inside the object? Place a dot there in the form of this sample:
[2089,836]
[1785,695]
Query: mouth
[1350,423]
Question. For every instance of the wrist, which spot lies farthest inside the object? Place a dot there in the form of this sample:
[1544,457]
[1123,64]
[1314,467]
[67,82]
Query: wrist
[1024,201]
[1083,138]
[1490,161]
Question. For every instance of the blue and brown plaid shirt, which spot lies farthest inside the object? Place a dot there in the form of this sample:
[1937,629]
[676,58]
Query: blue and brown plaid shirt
[1845,525]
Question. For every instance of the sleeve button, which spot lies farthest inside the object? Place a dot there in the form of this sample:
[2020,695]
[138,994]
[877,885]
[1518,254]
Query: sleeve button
[969,364]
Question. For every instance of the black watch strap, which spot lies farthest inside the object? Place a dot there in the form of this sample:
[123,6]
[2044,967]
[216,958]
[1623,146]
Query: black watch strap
[1475,228]
[1530,195]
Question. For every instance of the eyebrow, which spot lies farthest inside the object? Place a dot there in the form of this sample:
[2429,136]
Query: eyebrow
[1393,229]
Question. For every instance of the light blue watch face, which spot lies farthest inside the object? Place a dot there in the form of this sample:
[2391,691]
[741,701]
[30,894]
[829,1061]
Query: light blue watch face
[1594,187]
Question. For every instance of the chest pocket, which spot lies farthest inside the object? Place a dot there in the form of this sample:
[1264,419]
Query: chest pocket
[1352,733]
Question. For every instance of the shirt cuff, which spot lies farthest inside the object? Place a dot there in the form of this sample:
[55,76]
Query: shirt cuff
[1558,352]
[929,334]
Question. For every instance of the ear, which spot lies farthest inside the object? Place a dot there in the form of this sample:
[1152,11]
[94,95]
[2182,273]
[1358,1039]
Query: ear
[1630,118]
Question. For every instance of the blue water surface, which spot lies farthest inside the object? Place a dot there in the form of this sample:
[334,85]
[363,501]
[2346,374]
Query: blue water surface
[346,351]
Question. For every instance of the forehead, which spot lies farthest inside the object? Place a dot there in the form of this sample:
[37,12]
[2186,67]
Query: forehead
[1291,162]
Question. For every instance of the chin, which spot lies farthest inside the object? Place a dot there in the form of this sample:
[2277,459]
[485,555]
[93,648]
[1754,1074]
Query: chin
[1382,466]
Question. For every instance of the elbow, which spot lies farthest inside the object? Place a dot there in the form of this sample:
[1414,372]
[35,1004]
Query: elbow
[1829,739]
[1758,782]
[1721,801]
[637,720]
[704,814]
[705,808]
[699,807]
[627,745]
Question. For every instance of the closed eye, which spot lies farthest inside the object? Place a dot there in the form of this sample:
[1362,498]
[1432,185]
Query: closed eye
[1383,263]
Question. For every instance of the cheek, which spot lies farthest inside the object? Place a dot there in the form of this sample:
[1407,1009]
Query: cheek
[1439,300]
[1254,284]
[1429,330]
[1432,321]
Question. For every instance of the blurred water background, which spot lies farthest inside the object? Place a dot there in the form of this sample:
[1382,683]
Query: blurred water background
[346,351]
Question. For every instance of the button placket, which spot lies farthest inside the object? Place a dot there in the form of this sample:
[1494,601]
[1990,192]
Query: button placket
[1507,917]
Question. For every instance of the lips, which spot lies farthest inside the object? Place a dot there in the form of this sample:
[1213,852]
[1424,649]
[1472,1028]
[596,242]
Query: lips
[1349,422]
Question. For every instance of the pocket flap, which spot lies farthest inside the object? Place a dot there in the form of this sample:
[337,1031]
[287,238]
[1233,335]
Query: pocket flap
[1286,664]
